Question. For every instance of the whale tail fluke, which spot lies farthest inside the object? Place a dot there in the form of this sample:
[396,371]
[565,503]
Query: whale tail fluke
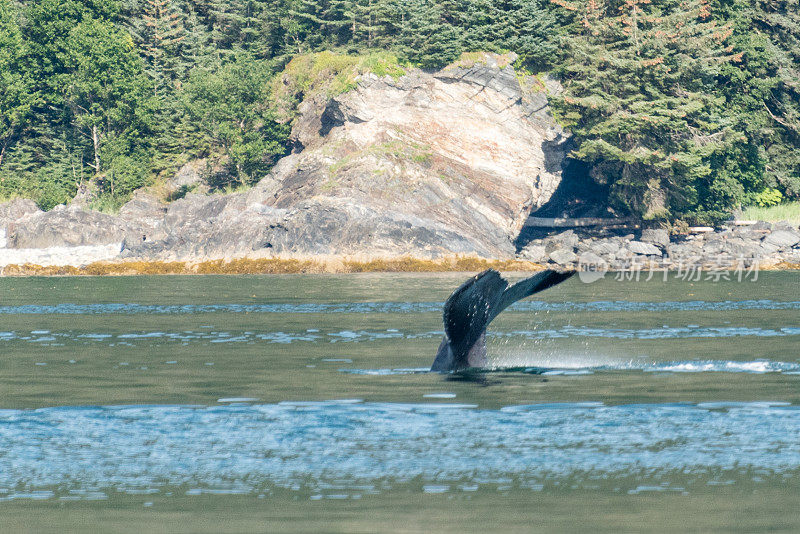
[471,308]
[529,286]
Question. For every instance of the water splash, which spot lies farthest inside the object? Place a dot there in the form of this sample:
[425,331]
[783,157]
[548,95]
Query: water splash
[587,365]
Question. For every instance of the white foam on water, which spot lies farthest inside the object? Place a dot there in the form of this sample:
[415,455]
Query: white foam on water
[719,366]
[387,372]
[320,404]
[752,405]
[653,489]
[567,372]
[394,307]
[576,366]
[435,488]
[553,360]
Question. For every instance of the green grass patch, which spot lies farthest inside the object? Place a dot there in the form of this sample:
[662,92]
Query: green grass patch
[788,211]
[470,59]
[329,186]
[401,151]
[108,203]
[381,64]
[329,74]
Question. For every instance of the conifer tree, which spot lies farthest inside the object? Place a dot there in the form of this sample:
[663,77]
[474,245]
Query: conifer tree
[366,21]
[427,39]
[779,20]
[160,40]
[308,19]
[537,33]
[636,97]
[17,96]
[389,18]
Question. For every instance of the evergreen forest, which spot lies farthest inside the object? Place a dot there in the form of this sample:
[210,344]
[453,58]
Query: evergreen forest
[684,109]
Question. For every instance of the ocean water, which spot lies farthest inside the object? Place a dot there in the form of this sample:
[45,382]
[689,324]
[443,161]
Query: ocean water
[304,403]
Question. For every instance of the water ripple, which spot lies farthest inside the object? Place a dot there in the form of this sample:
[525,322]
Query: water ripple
[392,307]
[344,446]
[362,336]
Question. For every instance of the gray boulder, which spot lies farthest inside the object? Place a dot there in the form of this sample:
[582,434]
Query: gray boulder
[606,247]
[591,259]
[768,249]
[190,177]
[563,256]
[743,248]
[643,249]
[534,253]
[16,209]
[783,238]
[65,227]
[144,218]
[656,236]
[784,225]
[567,239]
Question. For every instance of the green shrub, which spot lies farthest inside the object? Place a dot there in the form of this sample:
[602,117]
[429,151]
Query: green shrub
[768,197]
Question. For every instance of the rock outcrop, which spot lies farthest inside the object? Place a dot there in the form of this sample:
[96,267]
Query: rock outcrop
[426,165]
[13,211]
[65,227]
[729,247]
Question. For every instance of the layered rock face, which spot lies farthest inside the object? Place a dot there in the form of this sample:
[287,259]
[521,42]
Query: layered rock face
[445,162]
[426,165]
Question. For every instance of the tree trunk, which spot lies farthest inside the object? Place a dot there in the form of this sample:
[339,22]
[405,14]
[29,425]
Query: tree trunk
[96,143]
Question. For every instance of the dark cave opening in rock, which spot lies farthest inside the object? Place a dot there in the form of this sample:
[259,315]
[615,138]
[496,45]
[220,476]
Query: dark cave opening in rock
[578,195]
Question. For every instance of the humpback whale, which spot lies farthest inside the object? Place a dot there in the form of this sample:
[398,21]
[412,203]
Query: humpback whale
[474,305]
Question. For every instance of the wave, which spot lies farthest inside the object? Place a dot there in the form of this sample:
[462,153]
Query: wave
[391,307]
[209,335]
[351,447]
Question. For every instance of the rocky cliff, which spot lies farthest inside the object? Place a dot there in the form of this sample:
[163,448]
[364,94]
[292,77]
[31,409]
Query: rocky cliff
[426,165]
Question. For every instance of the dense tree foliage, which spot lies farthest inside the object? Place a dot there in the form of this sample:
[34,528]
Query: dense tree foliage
[778,22]
[16,87]
[231,105]
[642,98]
[685,108]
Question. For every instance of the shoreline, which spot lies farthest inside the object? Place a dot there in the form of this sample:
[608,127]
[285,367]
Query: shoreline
[304,265]
[324,265]
[74,243]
